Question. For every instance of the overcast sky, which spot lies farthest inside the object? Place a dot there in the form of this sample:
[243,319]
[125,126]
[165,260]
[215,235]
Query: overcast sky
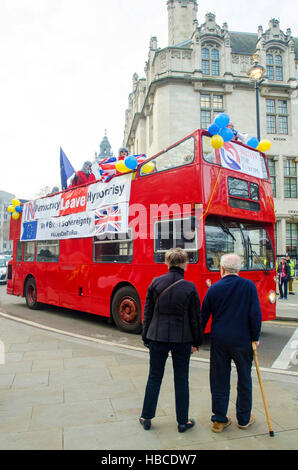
[66,70]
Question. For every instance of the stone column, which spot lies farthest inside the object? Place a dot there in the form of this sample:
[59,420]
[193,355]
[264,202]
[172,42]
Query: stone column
[281,240]
[280,177]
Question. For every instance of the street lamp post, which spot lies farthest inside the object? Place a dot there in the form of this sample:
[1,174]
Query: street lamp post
[255,74]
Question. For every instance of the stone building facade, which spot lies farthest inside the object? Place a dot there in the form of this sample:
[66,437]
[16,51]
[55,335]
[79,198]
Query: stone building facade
[5,201]
[204,71]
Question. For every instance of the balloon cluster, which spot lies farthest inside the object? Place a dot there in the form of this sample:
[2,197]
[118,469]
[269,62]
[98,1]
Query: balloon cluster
[221,134]
[219,131]
[111,166]
[262,145]
[131,163]
[15,209]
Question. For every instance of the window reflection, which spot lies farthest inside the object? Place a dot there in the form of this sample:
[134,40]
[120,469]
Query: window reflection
[250,241]
[181,154]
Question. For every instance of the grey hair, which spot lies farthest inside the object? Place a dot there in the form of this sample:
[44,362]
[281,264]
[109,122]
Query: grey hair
[231,263]
[123,149]
[86,166]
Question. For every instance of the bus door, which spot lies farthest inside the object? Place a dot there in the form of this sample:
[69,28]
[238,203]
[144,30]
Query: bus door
[74,273]
[46,269]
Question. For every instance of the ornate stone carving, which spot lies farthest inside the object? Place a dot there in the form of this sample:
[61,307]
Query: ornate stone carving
[163,60]
[186,54]
[245,61]
[210,44]
[175,54]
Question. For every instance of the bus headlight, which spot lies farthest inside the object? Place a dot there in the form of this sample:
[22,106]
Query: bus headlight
[208,282]
[272,297]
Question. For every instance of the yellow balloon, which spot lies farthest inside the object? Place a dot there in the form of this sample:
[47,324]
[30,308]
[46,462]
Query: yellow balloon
[148,168]
[264,145]
[120,166]
[217,141]
[15,215]
[15,202]
[10,208]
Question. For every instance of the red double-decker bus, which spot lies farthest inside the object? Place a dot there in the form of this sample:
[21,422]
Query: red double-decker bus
[209,202]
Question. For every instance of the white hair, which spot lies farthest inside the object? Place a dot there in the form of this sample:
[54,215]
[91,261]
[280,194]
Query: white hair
[231,263]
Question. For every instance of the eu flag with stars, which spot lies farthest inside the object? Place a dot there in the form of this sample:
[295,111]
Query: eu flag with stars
[66,169]
[29,230]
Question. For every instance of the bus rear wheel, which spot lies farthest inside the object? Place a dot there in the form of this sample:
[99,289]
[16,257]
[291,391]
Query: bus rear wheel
[126,310]
[31,294]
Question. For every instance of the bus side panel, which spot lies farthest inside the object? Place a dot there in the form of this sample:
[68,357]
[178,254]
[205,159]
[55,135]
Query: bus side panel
[75,254]
[165,187]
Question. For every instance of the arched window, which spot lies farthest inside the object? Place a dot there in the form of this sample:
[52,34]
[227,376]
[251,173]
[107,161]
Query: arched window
[210,61]
[274,66]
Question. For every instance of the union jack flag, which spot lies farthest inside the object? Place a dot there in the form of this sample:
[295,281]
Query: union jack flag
[108,170]
[108,220]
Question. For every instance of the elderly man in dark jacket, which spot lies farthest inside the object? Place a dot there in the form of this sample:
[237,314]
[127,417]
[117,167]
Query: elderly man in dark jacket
[171,323]
[234,305]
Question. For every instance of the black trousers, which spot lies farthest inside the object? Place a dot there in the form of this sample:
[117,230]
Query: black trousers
[220,373]
[283,288]
[158,357]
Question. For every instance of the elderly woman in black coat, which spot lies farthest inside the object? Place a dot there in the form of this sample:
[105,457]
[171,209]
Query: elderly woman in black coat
[172,322]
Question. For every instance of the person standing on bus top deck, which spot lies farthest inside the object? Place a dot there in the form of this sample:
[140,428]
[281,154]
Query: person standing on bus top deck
[283,272]
[123,153]
[236,322]
[237,135]
[292,273]
[84,176]
[172,322]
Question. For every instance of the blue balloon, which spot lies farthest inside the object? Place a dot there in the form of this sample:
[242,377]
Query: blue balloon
[222,120]
[213,129]
[253,142]
[227,134]
[131,162]
[18,208]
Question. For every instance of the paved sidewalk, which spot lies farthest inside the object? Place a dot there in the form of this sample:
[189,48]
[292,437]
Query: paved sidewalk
[287,310]
[58,392]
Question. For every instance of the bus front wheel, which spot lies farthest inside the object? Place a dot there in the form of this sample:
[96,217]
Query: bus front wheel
[126,310]
[31,294]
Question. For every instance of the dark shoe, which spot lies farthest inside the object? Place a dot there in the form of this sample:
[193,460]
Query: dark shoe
[146,423]
[280,298]
[185,427]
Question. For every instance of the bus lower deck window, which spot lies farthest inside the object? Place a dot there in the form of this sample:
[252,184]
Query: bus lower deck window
[113,248]
[47,251]
[176,233]
[29,251]
[19,251]
[249,240]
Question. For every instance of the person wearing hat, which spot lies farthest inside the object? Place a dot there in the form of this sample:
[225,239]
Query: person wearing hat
[83,176]
[292,273]
[123,153]
[283,272]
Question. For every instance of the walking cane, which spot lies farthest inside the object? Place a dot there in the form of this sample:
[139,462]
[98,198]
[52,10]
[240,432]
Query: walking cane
[254,347]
